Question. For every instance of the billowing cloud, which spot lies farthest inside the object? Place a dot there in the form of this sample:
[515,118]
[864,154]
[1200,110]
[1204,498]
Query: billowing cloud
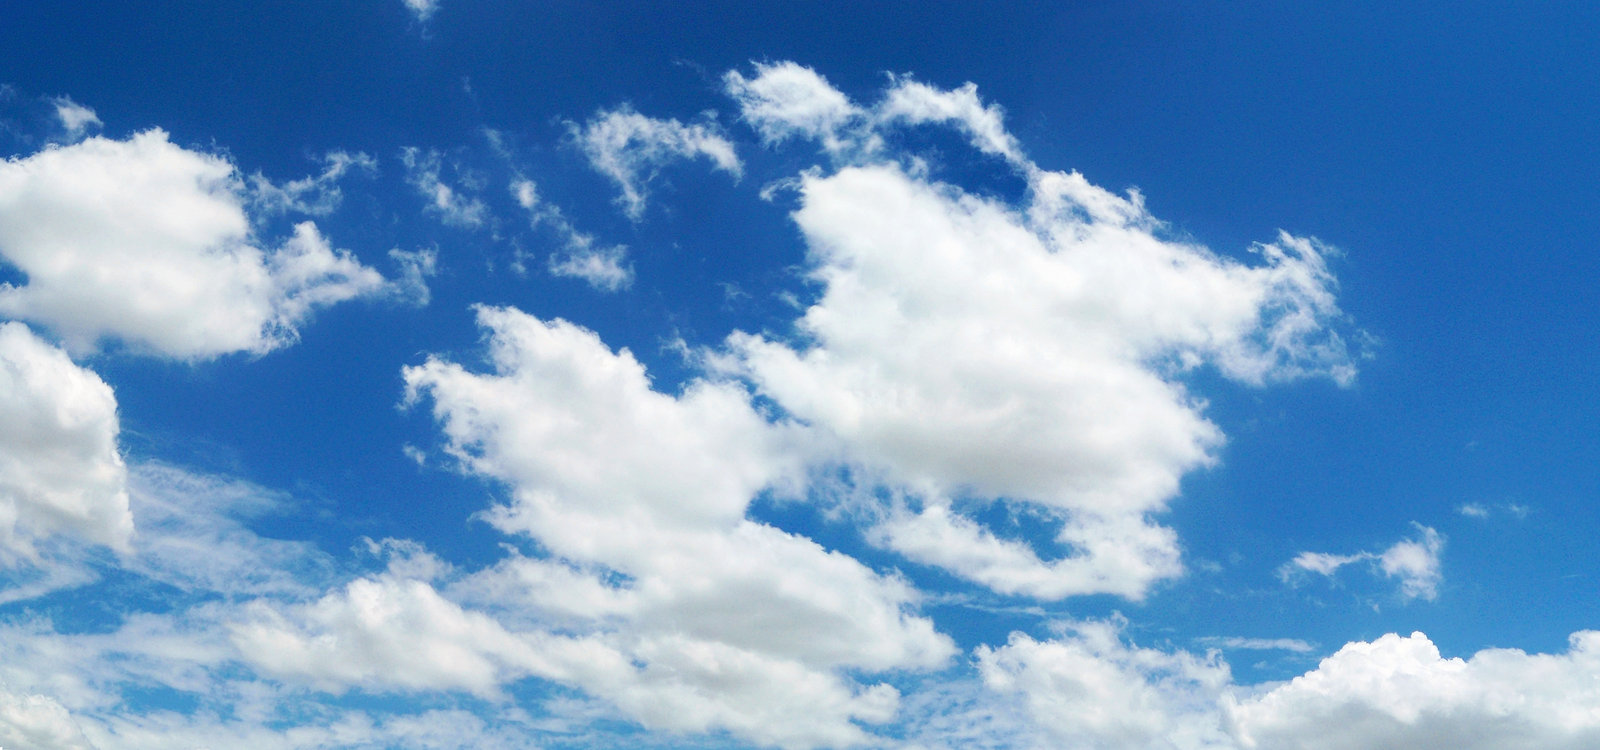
[316,195]
[147,242]
[36,722]
[1400,692]
[60,468]
[1090,689]
[639,498]
[631,148]
[1415,562]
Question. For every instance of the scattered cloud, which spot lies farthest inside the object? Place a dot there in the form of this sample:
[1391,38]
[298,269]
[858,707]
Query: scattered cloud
[146,242]
[604,267]
[786,100]
[1415,562]
[1235,643]
[76,119]
[631,148]
[443,200]
[317,195]
[415,268]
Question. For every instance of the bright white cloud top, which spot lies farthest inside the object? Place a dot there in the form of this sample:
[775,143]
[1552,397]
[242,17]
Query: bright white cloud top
[795,407]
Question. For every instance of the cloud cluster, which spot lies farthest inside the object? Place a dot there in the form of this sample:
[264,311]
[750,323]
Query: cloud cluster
[972,348]
[640,499]
[149,243]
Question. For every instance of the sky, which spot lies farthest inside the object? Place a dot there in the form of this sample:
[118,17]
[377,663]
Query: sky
[466,374]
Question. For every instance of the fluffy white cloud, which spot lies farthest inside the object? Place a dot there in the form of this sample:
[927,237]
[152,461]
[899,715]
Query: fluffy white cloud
[640,498]
[398,633]
[1400,692]
[969,347]
[443,200]
[786,100]
[36,722]
[145,241]
[631,148]
[1415,562]
[60,470]
[1089,689]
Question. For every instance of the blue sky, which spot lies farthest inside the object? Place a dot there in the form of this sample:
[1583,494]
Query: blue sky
[448,374]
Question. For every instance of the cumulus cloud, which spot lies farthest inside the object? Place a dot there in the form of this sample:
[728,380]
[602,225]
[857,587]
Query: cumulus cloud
[604,267]
[1090,689]
[1400,692]
[972,348]
[60,468]
[444,200]
[75,118]
[1415,562]
[395,633]
[639,497]
[147,242]
[631,148]
[36,722]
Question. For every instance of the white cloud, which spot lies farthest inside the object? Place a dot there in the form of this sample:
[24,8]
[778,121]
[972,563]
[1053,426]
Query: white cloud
[192,535]
[971,347]
[604,267]
[416,266]
[1415,562]
[36,722]
[443,200]
[60,469]
[1089,689]
[1259,644]
[631,148]
[397,633]
[422,9]
[1400,692]
[639,497]
[786,100]
[75,118]
[317,195]
[917,103]
[147,242]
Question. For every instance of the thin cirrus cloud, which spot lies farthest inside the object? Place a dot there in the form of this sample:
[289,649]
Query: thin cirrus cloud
[145,242]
